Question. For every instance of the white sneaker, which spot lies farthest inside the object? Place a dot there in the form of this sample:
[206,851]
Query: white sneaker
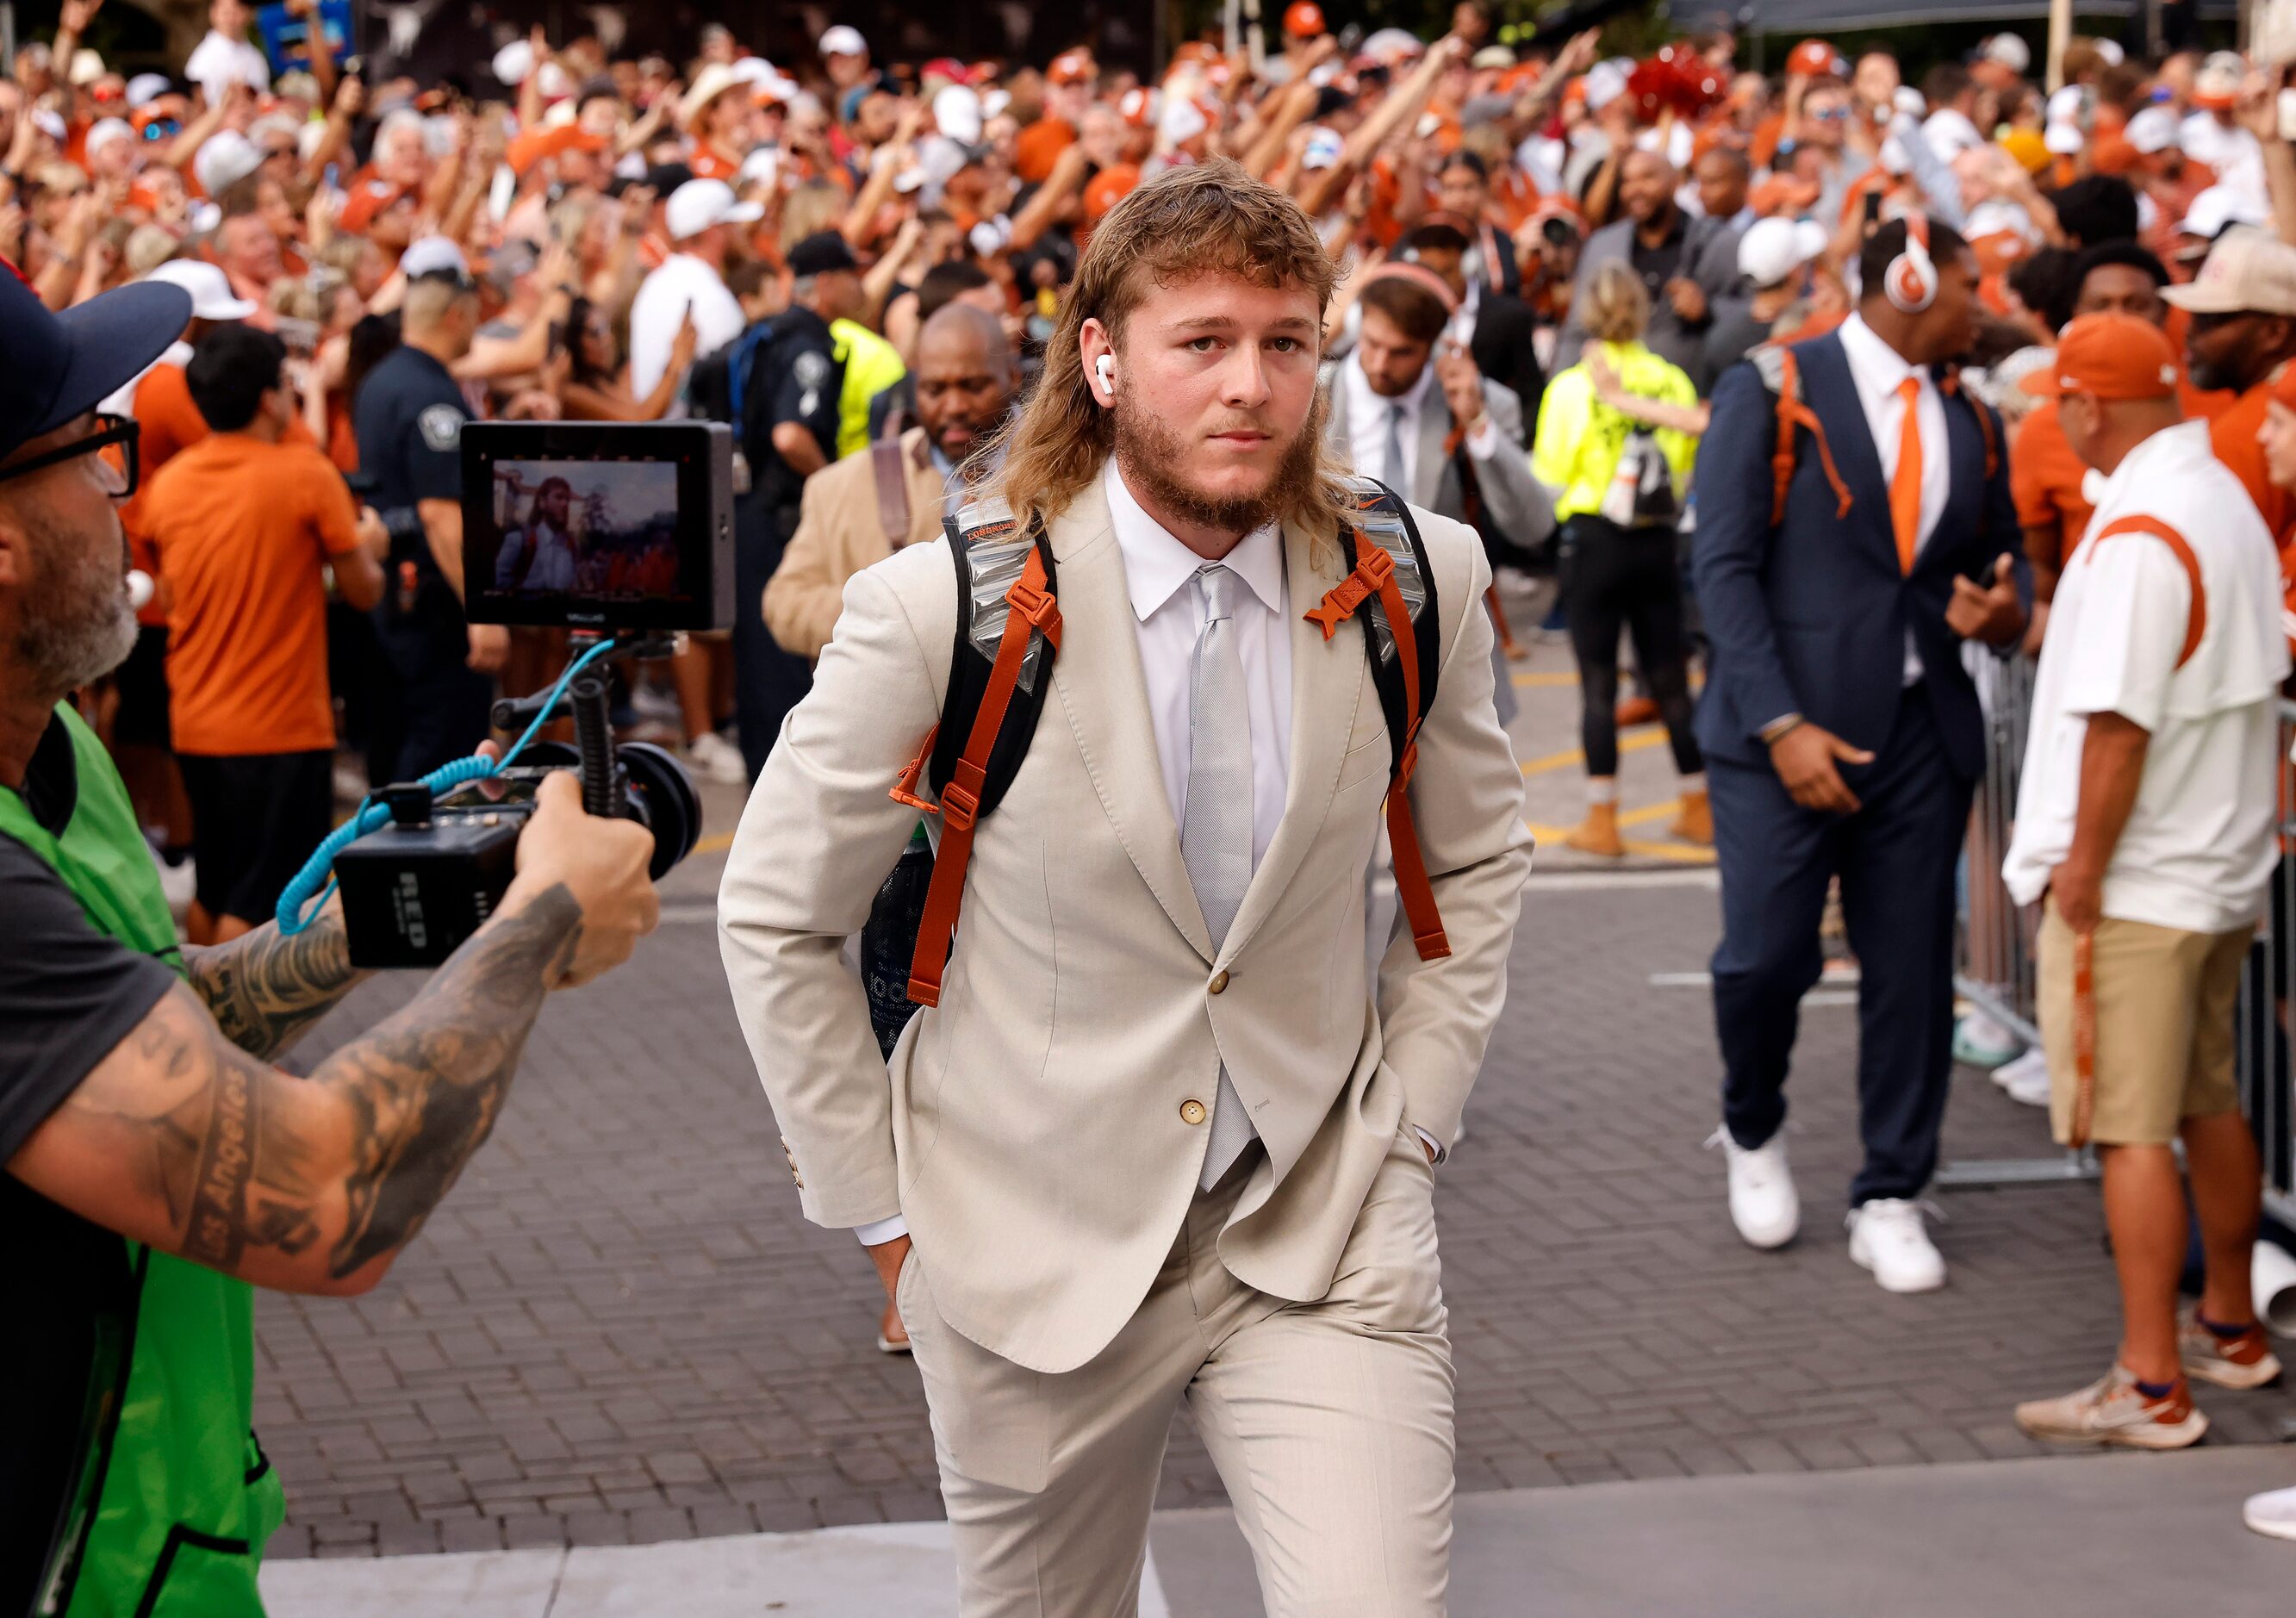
[1980,1041]
[1763,1205]
[717,757]
[2026,1080]
[2273,1513]
[1886,1236]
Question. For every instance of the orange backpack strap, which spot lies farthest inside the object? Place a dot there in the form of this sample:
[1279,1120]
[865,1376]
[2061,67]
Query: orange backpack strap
[995,719]
[1780,372]
[1387,530]
[2196,617]
[1949,385]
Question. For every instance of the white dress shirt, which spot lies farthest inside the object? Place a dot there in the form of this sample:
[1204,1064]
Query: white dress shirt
[1877,370]
[1368,413]
[680,281]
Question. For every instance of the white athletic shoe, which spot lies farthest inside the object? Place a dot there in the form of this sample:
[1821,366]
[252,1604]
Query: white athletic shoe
[1886,1236]
[717,757]
[2026,1080]
[2272,1513]
[1763,1205]
[1980,1041]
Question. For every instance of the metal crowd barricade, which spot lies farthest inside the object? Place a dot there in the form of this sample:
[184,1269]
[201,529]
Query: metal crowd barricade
[2265,995]
[1993,966]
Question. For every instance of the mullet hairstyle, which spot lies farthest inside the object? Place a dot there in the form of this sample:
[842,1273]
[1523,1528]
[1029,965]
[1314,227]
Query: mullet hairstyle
[1187,224]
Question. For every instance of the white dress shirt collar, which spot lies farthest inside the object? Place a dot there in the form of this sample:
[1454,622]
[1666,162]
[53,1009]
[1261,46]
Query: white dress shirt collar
[1156,565]
[1876,366]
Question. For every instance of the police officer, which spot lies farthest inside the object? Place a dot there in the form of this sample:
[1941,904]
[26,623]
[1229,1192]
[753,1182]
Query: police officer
[778,384]
[409,415]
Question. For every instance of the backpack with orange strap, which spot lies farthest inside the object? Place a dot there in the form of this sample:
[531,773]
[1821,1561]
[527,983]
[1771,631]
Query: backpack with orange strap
[1008,632]
[1781,374]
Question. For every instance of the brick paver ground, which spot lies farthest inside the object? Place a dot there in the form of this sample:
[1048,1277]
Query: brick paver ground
[619,1327]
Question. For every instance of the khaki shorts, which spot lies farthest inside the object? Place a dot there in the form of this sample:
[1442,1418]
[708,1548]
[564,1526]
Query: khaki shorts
[2164,1027]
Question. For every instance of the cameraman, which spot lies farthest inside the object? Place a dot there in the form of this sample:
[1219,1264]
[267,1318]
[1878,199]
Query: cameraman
[408,416]
[137,1094]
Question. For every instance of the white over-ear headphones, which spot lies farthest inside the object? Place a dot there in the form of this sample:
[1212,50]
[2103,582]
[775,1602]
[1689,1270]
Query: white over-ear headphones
[1911,281]
[1104,368]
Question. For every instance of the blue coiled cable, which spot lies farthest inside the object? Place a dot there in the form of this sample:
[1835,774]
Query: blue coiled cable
[307,891]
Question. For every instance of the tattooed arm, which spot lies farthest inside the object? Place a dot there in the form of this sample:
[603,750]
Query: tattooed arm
[264,988]
[181,1138]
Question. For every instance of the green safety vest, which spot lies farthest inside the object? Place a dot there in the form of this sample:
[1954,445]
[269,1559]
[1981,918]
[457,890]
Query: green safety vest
[172,1499]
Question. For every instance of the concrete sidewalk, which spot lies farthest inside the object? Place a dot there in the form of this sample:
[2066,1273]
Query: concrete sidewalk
[2078,1536]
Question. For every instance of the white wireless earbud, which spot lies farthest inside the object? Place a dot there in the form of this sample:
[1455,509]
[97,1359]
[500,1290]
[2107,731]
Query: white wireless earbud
[1104,368]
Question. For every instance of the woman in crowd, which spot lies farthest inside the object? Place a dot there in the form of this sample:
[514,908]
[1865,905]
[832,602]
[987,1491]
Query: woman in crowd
[1617,486]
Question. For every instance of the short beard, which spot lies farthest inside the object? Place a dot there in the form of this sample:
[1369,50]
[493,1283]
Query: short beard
[83,627]
[1149,452]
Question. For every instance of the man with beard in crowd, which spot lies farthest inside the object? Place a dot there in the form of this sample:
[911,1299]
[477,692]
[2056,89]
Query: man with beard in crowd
[1689,266]
[867,507]
[1216,1186]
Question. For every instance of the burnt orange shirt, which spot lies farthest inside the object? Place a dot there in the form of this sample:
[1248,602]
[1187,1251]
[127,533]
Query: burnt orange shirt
[1037,146]
[2233,435]
[2045,475]
[242,528]
[166,421]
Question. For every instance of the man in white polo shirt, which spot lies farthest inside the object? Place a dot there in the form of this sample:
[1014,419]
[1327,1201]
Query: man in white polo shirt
[2144,820]
[703,219]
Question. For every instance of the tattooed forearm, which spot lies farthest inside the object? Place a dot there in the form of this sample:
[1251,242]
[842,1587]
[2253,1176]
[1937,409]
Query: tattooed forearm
[302,1183]
[425,1087]
[266,989]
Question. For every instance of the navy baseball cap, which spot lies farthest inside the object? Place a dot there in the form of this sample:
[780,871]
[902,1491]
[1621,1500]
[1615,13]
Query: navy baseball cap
[61,365]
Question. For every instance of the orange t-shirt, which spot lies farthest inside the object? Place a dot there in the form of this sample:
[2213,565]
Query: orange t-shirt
[2045,475]
[2233,435]
[1036,147]
[168,422]
[241,527]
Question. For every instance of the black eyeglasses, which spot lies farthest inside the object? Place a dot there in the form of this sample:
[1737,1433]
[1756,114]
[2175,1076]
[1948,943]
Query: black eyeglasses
[121,430]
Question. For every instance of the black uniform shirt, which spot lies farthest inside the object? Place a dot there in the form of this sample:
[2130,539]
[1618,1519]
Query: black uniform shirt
[409,416]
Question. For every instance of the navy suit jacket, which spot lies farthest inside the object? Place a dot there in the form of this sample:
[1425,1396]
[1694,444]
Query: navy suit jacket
[1810,616]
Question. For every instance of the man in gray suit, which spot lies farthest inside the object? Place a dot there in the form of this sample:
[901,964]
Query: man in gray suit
[1690,268]
[1410,408]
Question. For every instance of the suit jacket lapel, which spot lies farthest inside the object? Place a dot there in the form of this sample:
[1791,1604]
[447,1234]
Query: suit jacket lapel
[1427,475]
[1098,679]
[1832,393]
[1327,681]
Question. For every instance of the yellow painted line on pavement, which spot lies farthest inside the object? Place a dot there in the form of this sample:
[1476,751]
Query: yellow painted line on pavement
[1679,853]
[1633,740]
[716,844]
[1524,682]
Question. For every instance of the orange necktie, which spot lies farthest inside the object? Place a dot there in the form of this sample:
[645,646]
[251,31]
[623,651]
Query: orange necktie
[1905,486]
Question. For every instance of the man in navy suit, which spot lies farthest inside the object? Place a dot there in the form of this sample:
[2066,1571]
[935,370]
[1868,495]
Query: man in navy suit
[1842,732]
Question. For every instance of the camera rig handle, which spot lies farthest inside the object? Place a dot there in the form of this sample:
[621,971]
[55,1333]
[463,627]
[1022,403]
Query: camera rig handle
[587,700]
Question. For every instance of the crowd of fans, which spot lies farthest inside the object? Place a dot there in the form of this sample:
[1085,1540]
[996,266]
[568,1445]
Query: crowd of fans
[1549,259]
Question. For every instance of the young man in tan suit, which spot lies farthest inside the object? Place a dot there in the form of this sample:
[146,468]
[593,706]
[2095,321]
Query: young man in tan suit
[1158,1144]
[966,379]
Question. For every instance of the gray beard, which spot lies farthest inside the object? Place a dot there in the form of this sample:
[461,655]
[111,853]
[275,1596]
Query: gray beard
[85,627]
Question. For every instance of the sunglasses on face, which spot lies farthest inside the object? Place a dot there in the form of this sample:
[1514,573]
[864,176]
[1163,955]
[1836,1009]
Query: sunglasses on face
[119,482]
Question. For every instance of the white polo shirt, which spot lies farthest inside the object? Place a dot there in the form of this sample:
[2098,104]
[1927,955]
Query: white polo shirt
[2198,850]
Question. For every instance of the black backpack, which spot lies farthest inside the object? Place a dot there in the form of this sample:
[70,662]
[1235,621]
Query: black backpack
[1008,632]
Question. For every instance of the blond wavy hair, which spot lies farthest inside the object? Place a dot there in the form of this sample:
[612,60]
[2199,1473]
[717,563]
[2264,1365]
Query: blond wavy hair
[1203,220]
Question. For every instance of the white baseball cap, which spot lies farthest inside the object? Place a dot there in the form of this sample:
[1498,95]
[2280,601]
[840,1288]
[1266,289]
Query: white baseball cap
[2152,129]
[2009,50]
[514,61]
[225,158]
[957,113]
[697,204]
[209,287]
[2065,140]
[2216,207]
[1772,250]
[145,88]
[843,41]
[107,129]
[434,255]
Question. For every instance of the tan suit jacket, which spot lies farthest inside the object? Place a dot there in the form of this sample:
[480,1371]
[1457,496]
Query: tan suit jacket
[1031,1129]
[839,533]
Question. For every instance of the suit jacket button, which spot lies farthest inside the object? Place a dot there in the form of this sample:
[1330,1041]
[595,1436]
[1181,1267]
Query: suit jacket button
[1219,981]
[1191,1111]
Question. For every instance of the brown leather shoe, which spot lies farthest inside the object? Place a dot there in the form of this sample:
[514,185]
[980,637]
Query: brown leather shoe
[1694,821]
[1598,834]
[892,1337]
[1636,711]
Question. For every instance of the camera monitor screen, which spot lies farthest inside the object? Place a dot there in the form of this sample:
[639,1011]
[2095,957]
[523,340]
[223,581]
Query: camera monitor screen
[597,526]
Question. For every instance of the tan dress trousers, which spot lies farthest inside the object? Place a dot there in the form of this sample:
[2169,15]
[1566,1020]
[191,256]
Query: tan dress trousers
[1330,1423]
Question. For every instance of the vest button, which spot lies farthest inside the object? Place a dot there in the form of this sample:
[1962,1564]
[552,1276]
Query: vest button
[1219,981]
[1191,1111]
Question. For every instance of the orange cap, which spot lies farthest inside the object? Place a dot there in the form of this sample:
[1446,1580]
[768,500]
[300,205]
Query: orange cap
[2112,356]
[1304,20]
[1814,58]
[1108,188]
[1072,66]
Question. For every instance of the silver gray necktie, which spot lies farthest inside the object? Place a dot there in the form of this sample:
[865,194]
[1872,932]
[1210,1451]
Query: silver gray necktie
[1393,476]
[1215,821]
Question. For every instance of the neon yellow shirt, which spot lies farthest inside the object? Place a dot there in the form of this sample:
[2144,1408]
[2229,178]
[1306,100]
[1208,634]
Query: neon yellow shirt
[1579,439]
[872,365]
